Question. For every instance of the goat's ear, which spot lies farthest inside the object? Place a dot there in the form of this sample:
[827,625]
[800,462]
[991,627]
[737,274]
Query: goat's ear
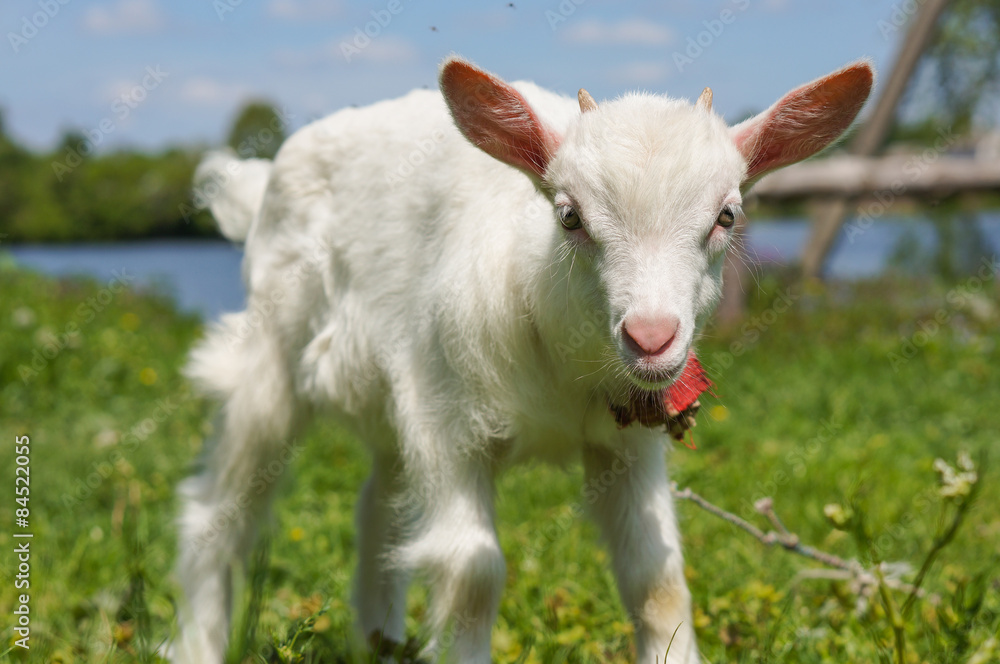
[804,121]
[496,118]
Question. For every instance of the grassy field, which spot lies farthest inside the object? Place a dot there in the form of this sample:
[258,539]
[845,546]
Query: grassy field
[839,394]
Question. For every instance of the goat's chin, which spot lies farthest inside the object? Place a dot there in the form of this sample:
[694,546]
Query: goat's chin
[654,378]
[651,386]
[653,382]
[632,387]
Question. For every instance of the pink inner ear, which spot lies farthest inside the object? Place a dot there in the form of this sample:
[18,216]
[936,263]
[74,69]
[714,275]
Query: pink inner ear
[496,118]
[804,121]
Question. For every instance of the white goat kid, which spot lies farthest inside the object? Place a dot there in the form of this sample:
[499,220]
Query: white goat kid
[431,310]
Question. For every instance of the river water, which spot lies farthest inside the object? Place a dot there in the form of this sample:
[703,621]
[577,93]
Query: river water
[204,276]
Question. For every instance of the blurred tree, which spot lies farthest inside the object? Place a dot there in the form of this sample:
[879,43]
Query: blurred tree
[78,193]
[69,196]
[964,63]
[956,92]
[13,160]
[258,131]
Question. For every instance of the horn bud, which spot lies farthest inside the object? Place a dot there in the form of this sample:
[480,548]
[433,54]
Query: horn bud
[705,100]
[587,102]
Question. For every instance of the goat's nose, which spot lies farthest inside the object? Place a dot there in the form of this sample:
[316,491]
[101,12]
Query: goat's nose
[649,336]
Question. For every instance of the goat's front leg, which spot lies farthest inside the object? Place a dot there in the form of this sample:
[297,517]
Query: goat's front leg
[457,547]
[627,490]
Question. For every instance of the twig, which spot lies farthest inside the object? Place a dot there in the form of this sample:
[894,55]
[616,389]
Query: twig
[791,542]
[958,487]
[867,579]
[766,507]
[788,541]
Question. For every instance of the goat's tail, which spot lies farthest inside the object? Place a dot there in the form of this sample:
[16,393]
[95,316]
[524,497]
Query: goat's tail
[241,364]
[233,189]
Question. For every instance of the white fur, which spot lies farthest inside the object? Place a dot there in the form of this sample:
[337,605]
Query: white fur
[233,189]
[426,294]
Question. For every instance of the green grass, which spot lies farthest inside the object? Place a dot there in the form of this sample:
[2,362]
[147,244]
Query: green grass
[811,412]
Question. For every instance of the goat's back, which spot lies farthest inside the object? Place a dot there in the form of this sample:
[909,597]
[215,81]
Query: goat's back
[387,241]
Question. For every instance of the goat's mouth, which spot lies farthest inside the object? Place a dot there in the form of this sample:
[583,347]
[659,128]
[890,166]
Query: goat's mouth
[653,380]
[640,384]
[673,403]
[654,376]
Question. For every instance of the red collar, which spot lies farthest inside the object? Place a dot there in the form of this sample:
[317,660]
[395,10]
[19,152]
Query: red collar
[674,406]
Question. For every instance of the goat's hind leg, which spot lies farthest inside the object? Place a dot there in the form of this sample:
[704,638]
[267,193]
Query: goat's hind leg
[224,505]
[380,586]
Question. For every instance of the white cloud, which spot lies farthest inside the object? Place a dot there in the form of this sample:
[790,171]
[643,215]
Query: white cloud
[640,73]
[116,89]
[207,92]
[629,32]
[384,49]
[124,17]
[303,10]
[289,57]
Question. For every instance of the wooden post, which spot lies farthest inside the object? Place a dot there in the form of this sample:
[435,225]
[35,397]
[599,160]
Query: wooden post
[827,223]
[913,175]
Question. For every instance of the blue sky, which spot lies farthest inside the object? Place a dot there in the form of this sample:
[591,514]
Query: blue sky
[149,73]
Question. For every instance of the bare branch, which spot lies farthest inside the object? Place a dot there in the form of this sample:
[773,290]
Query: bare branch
[851,570]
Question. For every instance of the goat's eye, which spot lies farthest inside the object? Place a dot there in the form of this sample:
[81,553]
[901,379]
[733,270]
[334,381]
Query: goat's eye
[569,218]
[727,217]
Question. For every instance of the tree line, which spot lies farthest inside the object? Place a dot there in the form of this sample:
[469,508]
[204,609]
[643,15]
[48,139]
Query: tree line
[74,193]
